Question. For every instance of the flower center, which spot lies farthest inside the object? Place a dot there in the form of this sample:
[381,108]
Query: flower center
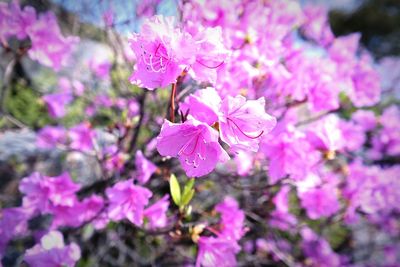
[194,150]
[157,61]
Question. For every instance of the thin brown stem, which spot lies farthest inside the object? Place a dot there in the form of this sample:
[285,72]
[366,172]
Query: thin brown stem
[172,103]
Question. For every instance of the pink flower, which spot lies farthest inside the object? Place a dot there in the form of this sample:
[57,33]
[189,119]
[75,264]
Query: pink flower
[365,118]
[353,133]
[52,252]
[289,153]
[108,17]
[146,8]
[343,51]
[203,105]
[232,219]
[325,134]
[281,200]
[319,202]
[316,25]
[157,213]
[127,200]
[14,21]
[222,250]
[93,210]
[281,218]
[77,213]
[50,136]
[244,162]
[100,68]
[242,122]
[56,103]
[57,196]
[162,51]
[81,137]
[195,144]
[49,47]
[367,89]
[114,159]
[13,222]
[216,252]
[211,52]
[144,168]
[323,92]
[42,192]
[318,250]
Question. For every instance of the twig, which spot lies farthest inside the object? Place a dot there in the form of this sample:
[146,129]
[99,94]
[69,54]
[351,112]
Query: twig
[142,103]
[312,119]
[172,103]
[6,81]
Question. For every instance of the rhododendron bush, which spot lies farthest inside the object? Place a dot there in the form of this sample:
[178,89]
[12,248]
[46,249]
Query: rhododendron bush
[234,133]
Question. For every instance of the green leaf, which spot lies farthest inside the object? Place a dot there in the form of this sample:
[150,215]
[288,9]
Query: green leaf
[188,192]
[175,189]
[188,186]
[187,197]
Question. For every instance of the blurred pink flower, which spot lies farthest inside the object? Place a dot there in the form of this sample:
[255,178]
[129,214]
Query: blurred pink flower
[43,192]
[232,219]
[319,202]
[14,21]
[144,168]
[216,252]
[50,136]
[56,103]
[13,222]
[49,47]
[157,213]
[52,252]
[81,137]
[127,201]
[101,68]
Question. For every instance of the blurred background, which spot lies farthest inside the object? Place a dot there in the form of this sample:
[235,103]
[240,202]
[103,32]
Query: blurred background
[377,20]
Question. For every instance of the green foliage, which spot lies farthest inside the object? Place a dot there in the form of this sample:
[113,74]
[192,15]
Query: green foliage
[337,234]
[181,199]
[175,189]
[188,192]
[75,113]
[25,105]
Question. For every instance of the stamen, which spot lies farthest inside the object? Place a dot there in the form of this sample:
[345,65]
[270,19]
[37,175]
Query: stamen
[210,67]
[249,136]
[194,148]
[157,62]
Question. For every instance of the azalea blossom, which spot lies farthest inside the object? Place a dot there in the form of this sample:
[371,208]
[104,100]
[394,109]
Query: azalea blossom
[50,136]
[56,103]
[144,168]
[49,46]
[52,252]
[127,201]
[157,213]
[43,192]
[216,252]
[162,53]
[81,137]
[195,144]
[232,219]
[242,122]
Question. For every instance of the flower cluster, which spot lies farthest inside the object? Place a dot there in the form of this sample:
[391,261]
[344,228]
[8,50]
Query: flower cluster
[49,46]
[163,52]
[295,129]
[221,250]
[240,123]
